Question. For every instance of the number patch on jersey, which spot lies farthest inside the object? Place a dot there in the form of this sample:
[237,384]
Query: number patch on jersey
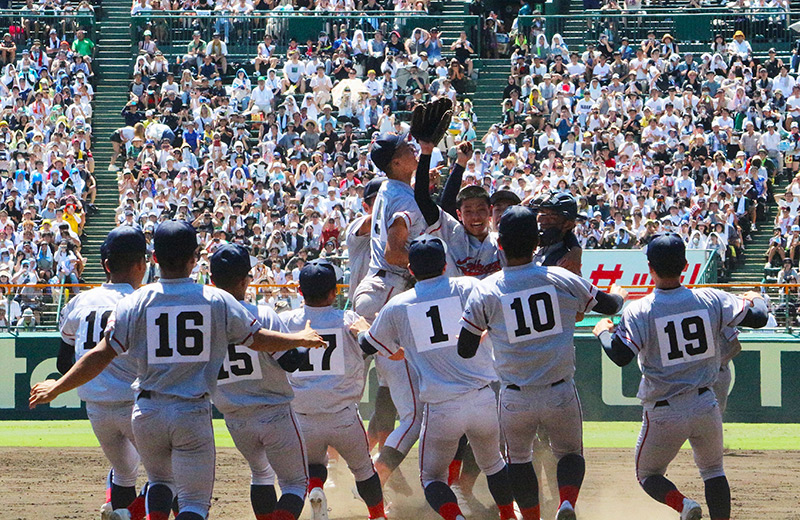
[532,314]
[240,364]
[685,337]
[179,334]
[435,324]
[328,361]
[90,331]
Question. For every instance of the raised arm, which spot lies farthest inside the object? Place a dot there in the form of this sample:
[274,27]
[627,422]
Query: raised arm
[453,184]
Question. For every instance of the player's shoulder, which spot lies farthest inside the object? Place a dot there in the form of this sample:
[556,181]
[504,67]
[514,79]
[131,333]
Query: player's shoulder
[464,284]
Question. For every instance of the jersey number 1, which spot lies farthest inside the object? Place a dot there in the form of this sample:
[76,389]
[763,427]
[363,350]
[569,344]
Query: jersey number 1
[91,323]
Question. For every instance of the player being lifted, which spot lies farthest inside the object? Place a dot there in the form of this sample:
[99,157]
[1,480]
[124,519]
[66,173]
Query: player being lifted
[529,312]
[109,397]
[328,384]
[357,238]
[396,220]
[678,336]
[177,333]
[455,391]
[254,395]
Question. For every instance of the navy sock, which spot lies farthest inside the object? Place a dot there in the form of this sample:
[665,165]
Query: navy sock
[263,498]
[500,487]
[524,484]
[189,516]
[122,496]
[159,498]
[291,503]
[718,498]
[438,494]
[370,490]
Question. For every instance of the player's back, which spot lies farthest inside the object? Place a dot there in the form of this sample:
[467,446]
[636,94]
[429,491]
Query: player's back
[424,321]
[83,322]
[331,378]
[250,378]
[358,251]
[678,335]
[530,314]
[394,200]
[178,331]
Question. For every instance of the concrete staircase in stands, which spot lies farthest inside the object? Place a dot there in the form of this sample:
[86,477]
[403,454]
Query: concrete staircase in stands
[488,96]
[753,270]
[112,65]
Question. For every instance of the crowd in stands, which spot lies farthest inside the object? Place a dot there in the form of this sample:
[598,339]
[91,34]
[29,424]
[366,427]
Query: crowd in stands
[275,153]
[646,137]
[46,161]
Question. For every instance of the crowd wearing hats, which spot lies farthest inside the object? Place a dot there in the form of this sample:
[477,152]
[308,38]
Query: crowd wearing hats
[46,162]
[275,154]
[651,139]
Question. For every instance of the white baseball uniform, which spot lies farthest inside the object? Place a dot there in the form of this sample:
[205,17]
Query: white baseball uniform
[455,391]
[254,395]
[109,397]
[466,255]
[177,332]
[395,200]
[677,335]
[358,251]
[730,348]
[530,312]
[328,387]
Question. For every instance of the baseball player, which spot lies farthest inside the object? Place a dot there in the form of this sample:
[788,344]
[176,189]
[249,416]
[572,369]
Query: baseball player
[254,395]
[109,398]
[357,238]
[529,312]
[676,333]
[177,332]
[328,385]
[501,200]
[471,248]
[455,391]
[557,243]
[396,220]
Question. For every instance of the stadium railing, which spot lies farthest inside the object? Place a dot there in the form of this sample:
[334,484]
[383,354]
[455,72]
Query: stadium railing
[247,31]
[693,30]
[47,301]
[27,25]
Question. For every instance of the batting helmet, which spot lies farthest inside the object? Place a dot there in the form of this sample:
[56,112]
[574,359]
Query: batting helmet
[562,203]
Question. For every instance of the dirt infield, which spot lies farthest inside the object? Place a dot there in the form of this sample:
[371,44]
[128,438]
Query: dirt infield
[42,483]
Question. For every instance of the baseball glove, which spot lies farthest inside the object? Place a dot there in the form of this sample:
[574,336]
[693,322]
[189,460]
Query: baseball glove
[430,121]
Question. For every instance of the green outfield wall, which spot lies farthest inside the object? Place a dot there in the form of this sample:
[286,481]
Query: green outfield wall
[765,385]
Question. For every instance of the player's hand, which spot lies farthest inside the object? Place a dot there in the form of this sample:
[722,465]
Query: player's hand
[430,121]
[311,338]
[42,393]
[464,153]
[579,317]
[399,355]
[359,326]
[603,325]
[616,289]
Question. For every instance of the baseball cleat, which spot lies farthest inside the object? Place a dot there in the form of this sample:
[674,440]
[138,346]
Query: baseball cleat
[566,511]
[461,499]
[319,504]
[105,511]
[691,510]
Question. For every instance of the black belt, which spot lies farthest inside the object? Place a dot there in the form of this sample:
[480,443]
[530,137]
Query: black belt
[381,273]
[664,402]
[517,388]
[144,394]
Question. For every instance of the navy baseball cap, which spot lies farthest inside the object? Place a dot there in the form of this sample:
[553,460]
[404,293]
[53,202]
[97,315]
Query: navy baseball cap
[372,187]
[667,251]
[123,240]
[518,221]
[231,262]
[504,195]
[383,149]
[317,278]
[427,256]
[174,239]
